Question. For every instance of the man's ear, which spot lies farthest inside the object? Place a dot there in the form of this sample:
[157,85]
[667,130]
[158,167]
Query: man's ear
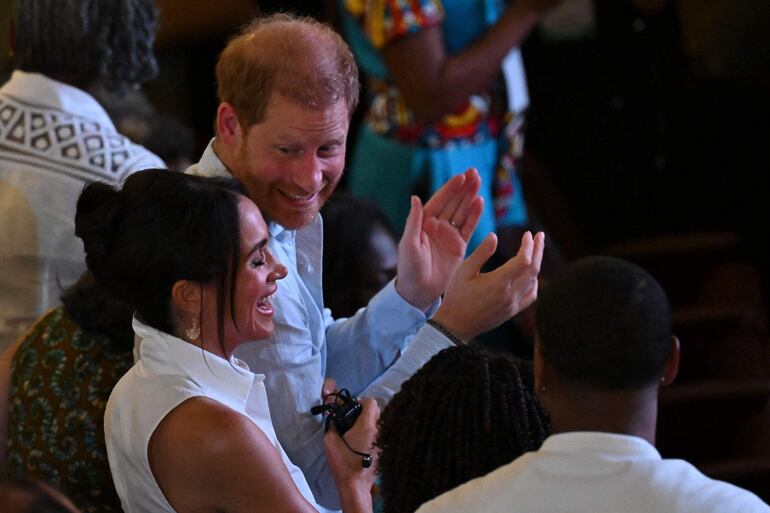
[671,369]
[187,297]
[227,124]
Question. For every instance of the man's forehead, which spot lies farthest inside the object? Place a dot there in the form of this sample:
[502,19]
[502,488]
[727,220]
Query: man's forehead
[281,105]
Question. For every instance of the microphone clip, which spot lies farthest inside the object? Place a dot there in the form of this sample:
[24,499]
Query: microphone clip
[343,412]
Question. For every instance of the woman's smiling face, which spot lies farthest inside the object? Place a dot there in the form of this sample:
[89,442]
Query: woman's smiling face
[255,283]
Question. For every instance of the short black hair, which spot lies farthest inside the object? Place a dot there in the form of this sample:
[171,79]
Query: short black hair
[605,323]
[161,227]
[107,41]
[464,414]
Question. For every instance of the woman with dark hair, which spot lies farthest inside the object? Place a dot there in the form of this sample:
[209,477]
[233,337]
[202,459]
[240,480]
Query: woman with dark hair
[188,427]
[464,414]
[54,386]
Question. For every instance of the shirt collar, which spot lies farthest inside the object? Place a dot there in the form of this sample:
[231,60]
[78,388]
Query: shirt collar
[40,90]
[227,381]
[597,442]
[278,232]
[209,164]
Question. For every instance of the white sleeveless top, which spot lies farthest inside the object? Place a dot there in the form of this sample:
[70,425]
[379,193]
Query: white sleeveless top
[168,372]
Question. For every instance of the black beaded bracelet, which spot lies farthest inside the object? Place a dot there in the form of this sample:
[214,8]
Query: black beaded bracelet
[448,334]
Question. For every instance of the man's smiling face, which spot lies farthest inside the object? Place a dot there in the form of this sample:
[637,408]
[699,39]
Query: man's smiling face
[292,160]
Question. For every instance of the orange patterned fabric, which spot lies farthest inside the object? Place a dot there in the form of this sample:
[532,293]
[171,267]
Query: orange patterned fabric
[386,20]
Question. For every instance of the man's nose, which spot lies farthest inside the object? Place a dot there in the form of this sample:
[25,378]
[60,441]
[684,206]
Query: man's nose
[308,173]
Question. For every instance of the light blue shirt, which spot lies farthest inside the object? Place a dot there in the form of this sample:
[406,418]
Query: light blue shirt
[362,353]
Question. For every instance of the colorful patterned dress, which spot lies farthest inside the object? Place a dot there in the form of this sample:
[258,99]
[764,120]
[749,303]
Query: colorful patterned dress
[397,154]
[61,380]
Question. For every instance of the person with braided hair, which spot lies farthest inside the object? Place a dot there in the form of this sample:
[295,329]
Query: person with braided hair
[55,137]
[463,414]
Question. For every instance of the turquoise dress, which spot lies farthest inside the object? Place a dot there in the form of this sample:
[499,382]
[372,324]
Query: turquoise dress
[396,154]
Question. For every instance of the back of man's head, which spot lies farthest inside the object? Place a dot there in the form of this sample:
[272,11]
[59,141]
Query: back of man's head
[104,41]
[605,323]
[300,58]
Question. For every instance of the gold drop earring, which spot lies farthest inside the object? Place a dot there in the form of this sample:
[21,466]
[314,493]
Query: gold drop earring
[194,331]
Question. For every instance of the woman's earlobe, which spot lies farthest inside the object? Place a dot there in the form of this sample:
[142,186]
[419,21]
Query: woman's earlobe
[187,295]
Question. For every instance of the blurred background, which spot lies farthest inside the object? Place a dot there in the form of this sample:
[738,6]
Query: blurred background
[647,116]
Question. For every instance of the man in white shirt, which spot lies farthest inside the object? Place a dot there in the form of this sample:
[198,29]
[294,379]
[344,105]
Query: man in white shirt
[55,138]
[287,89]
[604,347]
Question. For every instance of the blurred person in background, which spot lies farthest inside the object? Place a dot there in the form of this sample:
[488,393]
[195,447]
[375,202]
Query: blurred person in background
[54,386]
[360,253]
[55,138]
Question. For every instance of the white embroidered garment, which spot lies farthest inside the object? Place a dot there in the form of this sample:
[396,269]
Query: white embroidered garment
[169,372]
[54,139]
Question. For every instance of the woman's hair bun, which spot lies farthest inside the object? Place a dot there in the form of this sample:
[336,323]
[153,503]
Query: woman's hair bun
[158,228]
[97,209]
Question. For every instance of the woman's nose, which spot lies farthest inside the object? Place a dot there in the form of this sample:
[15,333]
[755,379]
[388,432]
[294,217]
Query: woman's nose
[279,272]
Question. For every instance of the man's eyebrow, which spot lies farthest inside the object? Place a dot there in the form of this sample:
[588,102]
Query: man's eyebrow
[337,141]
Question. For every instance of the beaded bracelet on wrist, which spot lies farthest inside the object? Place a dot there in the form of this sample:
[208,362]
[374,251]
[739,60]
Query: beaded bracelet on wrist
[448,334]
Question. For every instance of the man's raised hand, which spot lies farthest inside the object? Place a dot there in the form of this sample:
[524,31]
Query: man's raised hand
[477,302]
[436,237]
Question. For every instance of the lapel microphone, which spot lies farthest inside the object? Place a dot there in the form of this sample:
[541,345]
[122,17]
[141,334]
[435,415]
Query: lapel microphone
[342,412]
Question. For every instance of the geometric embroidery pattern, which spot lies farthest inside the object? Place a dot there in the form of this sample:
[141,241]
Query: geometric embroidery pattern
[73,144]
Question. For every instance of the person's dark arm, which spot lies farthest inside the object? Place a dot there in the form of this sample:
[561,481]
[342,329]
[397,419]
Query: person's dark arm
[435,84]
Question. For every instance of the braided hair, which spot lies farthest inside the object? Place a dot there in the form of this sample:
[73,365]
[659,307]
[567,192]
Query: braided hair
[465,413]
[106,41]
